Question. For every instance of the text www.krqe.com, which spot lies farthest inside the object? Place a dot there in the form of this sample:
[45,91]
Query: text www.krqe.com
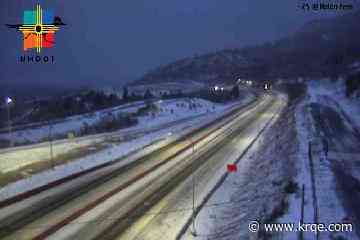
[256,226]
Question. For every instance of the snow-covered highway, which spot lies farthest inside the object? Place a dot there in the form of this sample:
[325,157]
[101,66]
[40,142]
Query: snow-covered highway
[128,201]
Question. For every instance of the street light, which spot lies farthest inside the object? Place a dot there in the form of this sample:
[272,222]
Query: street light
[8,102]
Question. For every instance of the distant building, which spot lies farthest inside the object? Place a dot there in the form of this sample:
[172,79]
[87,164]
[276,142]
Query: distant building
[163,89]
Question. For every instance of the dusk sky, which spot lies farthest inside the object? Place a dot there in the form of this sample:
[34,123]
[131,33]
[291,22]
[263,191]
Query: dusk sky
[112,42]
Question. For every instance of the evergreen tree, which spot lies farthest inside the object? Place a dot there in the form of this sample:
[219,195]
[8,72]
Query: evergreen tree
[125,94]
[352,84]
[235,93]
[148,94]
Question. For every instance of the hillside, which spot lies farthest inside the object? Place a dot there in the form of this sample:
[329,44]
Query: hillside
[321,48]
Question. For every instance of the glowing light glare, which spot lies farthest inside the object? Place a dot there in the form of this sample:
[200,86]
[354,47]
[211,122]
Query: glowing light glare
[8,100]
[222,89]
[216,88]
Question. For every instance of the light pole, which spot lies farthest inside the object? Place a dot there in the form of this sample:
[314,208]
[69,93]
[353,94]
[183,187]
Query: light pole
[8,102]
[51,145]
[193,230]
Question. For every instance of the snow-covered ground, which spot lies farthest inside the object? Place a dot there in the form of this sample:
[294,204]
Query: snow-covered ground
[303,177]
[260,189]
[186,120]
[183,85]
[74,124]
[172,113]
[336,91]
[35,132]
[180,108]
[249,194]
[329,206]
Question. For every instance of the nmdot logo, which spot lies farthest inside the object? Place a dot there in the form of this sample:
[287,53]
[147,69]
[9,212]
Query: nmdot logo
[38,28]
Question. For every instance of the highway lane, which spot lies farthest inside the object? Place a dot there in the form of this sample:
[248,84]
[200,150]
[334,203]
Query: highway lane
[120,212]
[54,207]
[166,218]
[88,223]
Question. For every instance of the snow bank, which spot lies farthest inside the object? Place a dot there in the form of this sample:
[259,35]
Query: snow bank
[335,91]
[330,208]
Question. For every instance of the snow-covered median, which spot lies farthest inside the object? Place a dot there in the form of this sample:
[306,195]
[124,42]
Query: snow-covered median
[171,113]
[169,110]
[186,120]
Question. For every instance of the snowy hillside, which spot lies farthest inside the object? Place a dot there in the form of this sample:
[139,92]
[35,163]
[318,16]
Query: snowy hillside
[168,111]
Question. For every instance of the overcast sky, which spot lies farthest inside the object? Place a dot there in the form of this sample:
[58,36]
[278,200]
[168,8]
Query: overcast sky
[111,42]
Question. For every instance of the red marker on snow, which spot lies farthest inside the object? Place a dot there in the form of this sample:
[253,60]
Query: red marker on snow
[231,167]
